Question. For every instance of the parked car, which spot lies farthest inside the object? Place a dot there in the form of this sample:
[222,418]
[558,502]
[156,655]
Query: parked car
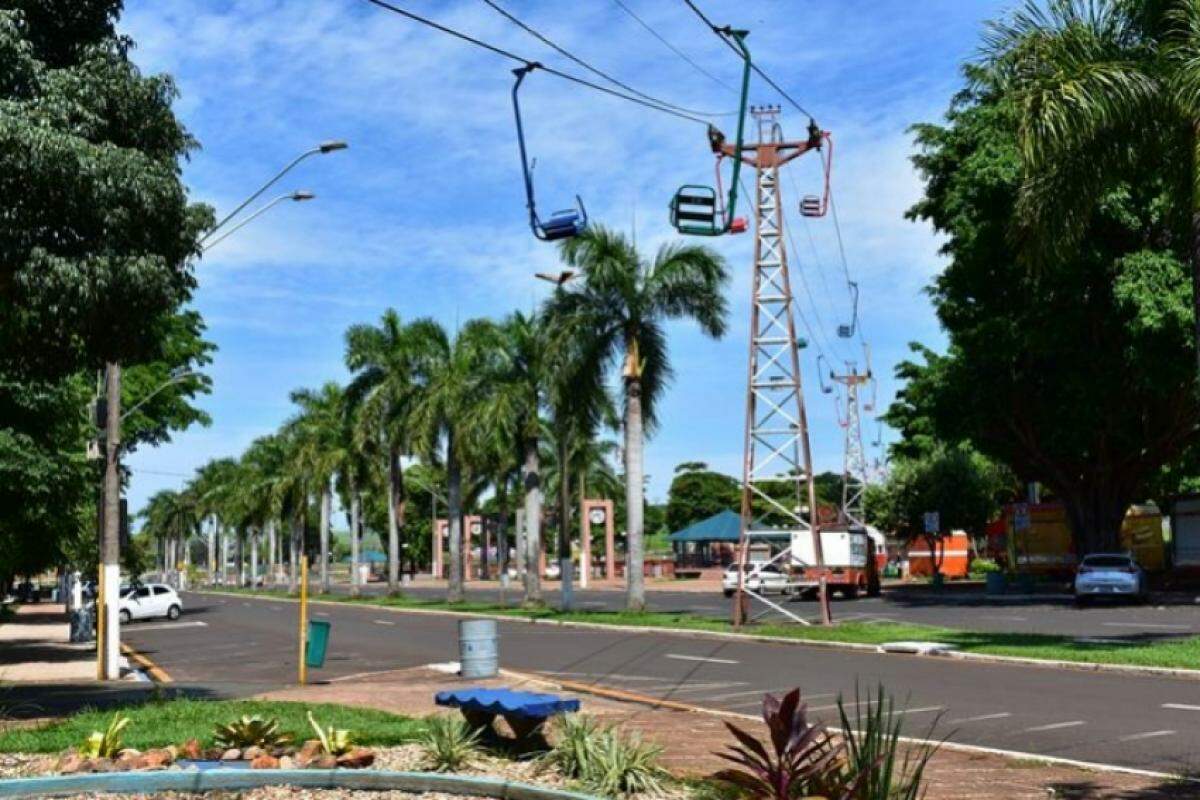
[553,571]
[1109,575]
[761,578]
[146,601]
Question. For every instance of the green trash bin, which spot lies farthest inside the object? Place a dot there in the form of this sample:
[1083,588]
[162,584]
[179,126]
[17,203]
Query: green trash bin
[318,643]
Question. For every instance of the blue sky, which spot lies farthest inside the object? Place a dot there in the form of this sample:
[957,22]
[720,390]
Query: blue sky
[425,211]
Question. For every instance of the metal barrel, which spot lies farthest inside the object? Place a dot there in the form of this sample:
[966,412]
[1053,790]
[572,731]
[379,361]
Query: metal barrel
[479,656]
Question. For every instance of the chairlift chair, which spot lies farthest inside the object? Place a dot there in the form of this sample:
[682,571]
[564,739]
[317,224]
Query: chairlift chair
[847,331]
[562,224]
[699,210]
[813,205]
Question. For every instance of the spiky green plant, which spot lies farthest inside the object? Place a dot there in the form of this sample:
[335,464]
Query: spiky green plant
[250,732]
[881,767]
[334,741]
[449,744]
[605,760]
[106,743]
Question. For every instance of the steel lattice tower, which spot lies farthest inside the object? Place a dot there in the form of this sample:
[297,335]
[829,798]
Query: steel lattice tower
[777,450]
[854,462]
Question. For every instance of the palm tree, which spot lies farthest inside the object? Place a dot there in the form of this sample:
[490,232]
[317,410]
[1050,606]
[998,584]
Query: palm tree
[213,486]
[518,377]
[617,313]
[321,424]
[381,394]
[170,519]
[262,471]
[1104,88]
[445,415]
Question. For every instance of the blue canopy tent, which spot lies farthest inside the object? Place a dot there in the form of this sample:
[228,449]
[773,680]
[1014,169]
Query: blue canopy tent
[709,542]
[369,557]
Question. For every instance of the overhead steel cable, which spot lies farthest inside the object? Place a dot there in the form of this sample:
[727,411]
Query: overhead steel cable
[674,49]
[500,51]
[596,70]
[721,34]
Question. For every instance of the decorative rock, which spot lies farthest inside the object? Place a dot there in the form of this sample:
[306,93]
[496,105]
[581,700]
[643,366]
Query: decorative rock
[191,749]
[311,748]
[98,765]
[252,752]
[264,761]
[358,758]
[213,754]
[287,762]
[232,754]
[159,758]
[70,763]
[323,761]
[129,752]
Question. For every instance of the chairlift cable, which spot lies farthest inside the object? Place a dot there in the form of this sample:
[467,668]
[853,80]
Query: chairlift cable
[673,48]
[757,69]
[551,70]
[594,70]
[837,227]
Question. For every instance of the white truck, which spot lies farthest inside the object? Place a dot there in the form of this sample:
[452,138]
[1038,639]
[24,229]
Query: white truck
[849,565]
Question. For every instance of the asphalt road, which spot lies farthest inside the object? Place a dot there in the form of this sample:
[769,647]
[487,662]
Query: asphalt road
[230,646]
[1173,617]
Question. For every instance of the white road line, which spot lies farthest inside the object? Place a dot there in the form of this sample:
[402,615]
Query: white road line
[1054,726]
[1148,625]
[845,703]
[1180,707]
[920,710]
[164,626]
[602,676]
[688,688]
[760,692]
[1151,735]
[980,718]
[1006,618]
[707,660]
[383,622]
[320,613]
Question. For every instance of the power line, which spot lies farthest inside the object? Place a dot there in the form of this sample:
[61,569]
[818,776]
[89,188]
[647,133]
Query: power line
[513,56]
[594,70]
[721,34]
[673,48]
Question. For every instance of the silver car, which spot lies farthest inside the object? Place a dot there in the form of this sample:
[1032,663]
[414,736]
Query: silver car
[760,578]
[1109,575]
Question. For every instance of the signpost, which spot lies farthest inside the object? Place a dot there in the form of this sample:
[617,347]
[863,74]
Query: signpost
[933,522]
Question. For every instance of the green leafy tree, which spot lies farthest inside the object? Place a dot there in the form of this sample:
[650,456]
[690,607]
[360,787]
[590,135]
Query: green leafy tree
[1077,374]
[618,311]
[1108,91]
[697,493]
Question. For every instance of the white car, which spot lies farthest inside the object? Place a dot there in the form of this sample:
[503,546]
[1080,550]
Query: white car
[1109,575]
[148,601]
[760,578]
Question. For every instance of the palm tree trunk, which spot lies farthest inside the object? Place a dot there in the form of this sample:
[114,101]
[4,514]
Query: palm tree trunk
[254,542]
[240,550]
[294,553]
[224,554]
[1195,254]
[326,510]
[396,503]
[272,574]
[533,523]
[635,589]
[566,566]
[501,528]
[454,593]
[355,503]
[212,553]
[519,542]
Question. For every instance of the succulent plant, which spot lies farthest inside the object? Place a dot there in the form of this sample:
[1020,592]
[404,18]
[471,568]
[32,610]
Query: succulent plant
[250,732]
[334,741]
[106,743]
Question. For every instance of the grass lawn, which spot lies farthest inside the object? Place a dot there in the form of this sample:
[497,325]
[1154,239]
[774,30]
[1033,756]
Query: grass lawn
[157,724]
[1181,653]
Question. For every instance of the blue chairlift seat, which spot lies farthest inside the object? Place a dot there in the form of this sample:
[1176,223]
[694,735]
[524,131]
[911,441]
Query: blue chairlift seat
[563,225]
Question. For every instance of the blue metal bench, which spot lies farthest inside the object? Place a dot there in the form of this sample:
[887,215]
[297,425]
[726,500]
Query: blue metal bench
[525,712]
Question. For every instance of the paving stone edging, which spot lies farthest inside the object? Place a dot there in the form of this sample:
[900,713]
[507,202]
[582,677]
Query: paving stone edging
[226,779]
[1081,666]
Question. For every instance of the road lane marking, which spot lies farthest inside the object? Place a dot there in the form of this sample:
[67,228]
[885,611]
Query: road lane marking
[920,710]
[1148,625]
[703,687]
[320,613]
[1180,707]
[1150,735]
[1054,726]
[131,629]
[383,622]
[705,659]
[761,692]
[980,718]
[1006,618]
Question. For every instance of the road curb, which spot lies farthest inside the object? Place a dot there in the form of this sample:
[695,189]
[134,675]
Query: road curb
[1044,663]
[156,673]
[654,702]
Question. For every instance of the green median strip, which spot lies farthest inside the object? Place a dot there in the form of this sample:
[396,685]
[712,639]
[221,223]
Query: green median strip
[162,723]
[1173,653]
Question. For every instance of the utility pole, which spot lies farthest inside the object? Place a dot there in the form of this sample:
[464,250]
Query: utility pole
[777,449]
[854,462]
[108,641]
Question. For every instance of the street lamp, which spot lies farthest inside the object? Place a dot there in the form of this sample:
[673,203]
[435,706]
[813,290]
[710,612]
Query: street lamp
[329,146]
[177,375]
[298,196]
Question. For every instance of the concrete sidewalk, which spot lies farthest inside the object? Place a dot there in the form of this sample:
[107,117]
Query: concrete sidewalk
[35,647]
